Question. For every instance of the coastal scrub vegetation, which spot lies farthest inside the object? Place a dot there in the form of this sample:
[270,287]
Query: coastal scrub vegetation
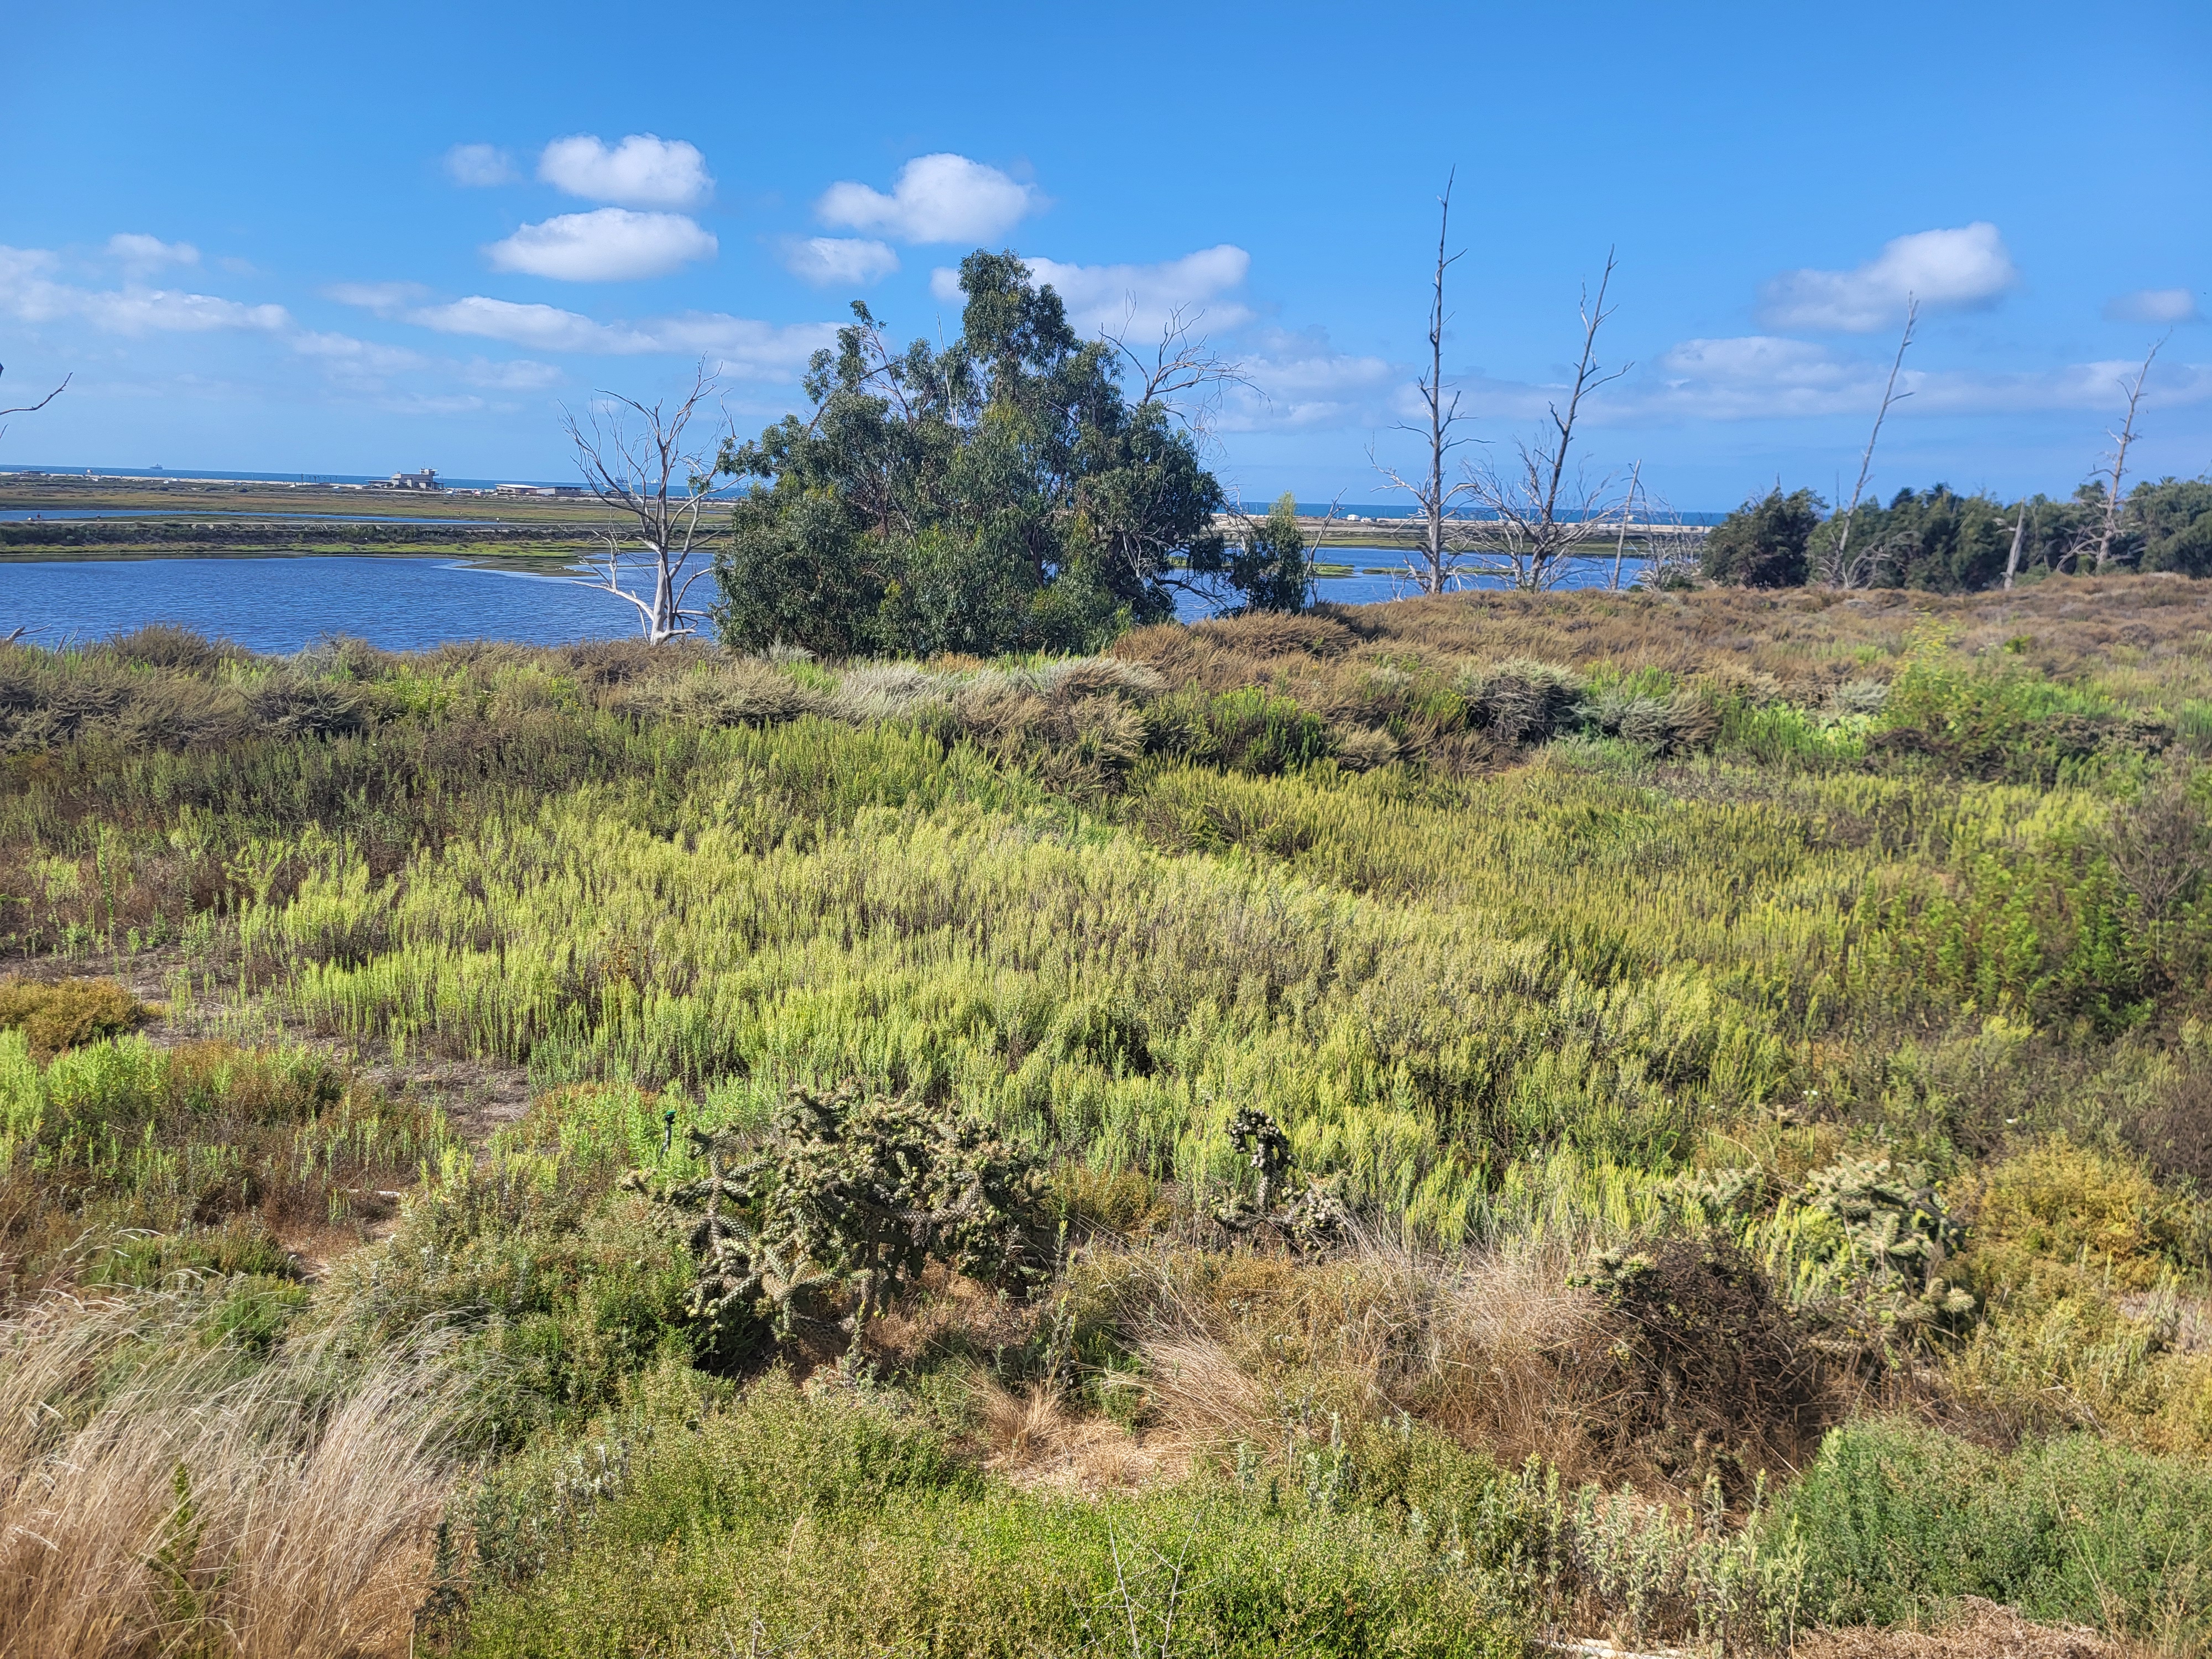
[1418,1128]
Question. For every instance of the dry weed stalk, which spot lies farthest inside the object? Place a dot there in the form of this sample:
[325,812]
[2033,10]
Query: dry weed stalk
[162,1494]
[1490,1348]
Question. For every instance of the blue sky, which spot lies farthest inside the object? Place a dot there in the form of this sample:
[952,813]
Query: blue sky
[347,239]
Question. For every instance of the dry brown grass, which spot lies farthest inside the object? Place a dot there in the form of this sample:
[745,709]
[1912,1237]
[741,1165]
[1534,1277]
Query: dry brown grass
[58,1014]
[1494,1350]
[2147,632]
[1036,1441]
[1981,1629]
[161,1495]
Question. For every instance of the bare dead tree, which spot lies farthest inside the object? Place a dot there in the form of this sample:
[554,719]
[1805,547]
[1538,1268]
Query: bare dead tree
[32,409]
[1436,560]
[2108,526]
[2019,536]
[657,482]
[1627,508]
[17,635]
[1539,515]
[1838,568]
[1673,546]
[1181,371]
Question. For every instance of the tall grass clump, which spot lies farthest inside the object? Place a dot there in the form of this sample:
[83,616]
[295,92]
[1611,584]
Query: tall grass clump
[163,1492]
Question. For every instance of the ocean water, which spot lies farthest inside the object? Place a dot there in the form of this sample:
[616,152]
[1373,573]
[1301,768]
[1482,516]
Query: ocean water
[400,604]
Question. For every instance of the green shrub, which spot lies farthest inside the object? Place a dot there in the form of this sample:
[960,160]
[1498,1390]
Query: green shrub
[1253,730]
[1897,1519]
[829,1525]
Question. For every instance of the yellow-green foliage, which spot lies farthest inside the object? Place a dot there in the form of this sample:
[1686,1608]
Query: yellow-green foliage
[2057,1202]
[56,1015]
[121,1161]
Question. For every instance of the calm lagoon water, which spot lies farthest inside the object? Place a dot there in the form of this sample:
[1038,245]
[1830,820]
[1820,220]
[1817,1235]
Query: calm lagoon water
[407,603]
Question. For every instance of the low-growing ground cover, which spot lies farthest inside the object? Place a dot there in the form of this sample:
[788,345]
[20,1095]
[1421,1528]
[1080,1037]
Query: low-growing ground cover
[1730,1073]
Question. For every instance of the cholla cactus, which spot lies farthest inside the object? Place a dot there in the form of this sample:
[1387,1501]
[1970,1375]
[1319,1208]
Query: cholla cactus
[844,1197]
[1898,1228]
[1314,1215]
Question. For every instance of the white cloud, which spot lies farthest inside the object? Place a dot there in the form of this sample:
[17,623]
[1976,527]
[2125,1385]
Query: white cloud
[609,245]
[522,374]
[142,255]
[478,166]
[1300,382]
[753,350]
[1136,301]
[29,294]
[642,170]
[2159,306]
[839,261]
[1764,377]
[1964,267]
[935,198]
[384,299]
[363,365]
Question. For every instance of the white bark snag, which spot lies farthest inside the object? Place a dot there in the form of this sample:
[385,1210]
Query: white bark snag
[2109,526]
[1841,572]
[1534,520]
[2012,561]
[657,487]
[1627,506]
[1432,569]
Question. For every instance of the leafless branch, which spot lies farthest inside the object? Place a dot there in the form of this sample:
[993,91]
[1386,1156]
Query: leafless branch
[1180,363]
[2108,527]
[32,409]
[1535,519]
[1435,563]
[1627,508]
[657,485]
[1842,571]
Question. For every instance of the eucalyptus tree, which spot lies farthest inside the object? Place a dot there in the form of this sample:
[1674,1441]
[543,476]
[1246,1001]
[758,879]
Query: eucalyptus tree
[999,493]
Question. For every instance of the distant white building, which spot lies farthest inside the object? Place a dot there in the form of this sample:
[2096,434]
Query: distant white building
[550,492]
[426,479]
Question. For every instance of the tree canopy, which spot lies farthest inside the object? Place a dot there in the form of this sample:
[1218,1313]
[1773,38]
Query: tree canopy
[998,494]
[1939,541]
[1762,544]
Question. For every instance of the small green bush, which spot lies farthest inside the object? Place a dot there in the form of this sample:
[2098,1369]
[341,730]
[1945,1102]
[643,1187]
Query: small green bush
[831,1526]
[1897,1519]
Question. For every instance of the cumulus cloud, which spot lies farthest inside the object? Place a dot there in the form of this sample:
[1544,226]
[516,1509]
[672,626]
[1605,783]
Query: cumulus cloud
[1960,269]
[749,349]
[2158,306]
[479,166]
[144,254]
[839,261]
[1136,301]
[642,170]
[390,377]
[609,245]
[935,198]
